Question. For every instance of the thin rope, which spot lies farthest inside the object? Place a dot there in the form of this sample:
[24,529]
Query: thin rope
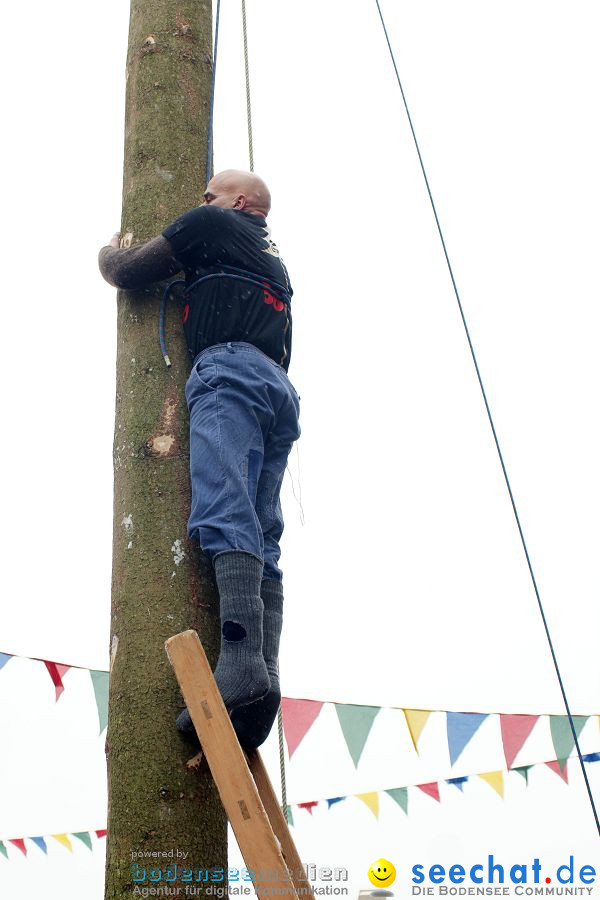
[298,496]
[248,101]
[251,159]
[284,804]
[491,421]
[211,109]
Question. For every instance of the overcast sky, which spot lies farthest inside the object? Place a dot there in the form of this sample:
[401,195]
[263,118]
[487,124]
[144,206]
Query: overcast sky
[406,584]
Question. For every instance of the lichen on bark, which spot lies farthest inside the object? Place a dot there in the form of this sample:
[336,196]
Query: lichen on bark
[162,584]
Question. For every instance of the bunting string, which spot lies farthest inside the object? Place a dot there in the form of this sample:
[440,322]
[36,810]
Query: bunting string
[356,721]
[371,799]
[57,671]
[41,841]
[495,779]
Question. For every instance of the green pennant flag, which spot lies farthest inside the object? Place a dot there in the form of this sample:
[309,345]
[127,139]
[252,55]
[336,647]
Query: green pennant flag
[524,771]
[83,836]
[356,723]
[3,850]
[562,735]
[289,816]
[100,682]
[400,795]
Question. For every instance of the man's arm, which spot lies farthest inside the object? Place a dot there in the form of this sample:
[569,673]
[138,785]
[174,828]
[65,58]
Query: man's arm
[137,266]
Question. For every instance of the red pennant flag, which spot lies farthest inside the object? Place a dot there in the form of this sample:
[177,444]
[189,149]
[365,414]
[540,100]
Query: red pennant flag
[20,843]
[432,789]
[555,765]
[56,670]
[515,731]
[298,716]
[101,833]
[309,806]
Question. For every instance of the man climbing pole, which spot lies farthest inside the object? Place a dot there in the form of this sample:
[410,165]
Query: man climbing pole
[243,421]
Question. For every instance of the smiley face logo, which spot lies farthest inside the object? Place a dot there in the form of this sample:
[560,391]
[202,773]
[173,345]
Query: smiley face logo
[382,873]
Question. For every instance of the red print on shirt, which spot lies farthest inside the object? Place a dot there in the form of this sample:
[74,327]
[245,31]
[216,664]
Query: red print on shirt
[269,298]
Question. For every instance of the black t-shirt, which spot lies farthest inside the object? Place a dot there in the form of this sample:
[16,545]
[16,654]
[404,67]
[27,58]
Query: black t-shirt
[210,241]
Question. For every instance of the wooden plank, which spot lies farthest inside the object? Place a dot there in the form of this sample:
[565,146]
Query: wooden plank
[279,824]
[228,765]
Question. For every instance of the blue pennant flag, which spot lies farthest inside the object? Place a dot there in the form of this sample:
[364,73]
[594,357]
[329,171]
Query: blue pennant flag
[458,781]
[591,757]
[4,658]
[41,843]
[332,800]
[461,727]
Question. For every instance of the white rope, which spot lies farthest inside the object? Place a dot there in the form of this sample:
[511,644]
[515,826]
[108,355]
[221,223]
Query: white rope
[248,102]
[251,157]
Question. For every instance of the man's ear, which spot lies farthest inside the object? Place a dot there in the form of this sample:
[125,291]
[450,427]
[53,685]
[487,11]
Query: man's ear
[241,201]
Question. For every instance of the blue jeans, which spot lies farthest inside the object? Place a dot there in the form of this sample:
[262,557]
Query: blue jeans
[243,421]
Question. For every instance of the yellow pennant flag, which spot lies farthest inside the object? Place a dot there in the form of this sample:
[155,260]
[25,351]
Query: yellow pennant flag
[416,720]
[495,780]
[64,840]
[371,800]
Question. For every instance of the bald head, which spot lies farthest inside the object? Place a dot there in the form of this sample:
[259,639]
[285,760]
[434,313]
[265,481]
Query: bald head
[235,189]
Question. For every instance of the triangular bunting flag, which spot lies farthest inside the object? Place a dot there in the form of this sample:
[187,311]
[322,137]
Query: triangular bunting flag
[101,833]
[83,836]
[431,788]
[400,795]
[100,683]
[591,757]
[309,805]
[560,767]
[64,840]
[515,729]
[416,720]
[3,849]
[524,771]
[56,670]
[41,843]
[562,734]
[4,658]
[458,782]
[332,800]
[20,843]
[289,816]
[371,800]
[356,723]
[461,727]
[298,716]
[495,780]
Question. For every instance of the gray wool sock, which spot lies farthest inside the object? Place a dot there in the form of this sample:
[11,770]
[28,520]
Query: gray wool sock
[253,722]
[241,673]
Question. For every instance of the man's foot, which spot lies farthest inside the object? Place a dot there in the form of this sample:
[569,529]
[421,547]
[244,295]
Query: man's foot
[253,722]
[184,724]
[241,672]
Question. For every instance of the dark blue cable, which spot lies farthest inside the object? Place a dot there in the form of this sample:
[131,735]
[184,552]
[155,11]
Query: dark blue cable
[162,317]
[211,109]
[491,421]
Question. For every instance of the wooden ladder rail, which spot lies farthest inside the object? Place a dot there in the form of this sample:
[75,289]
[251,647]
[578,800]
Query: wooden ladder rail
[243,784]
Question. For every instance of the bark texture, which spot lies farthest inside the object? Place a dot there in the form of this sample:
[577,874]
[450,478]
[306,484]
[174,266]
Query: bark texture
[161,584]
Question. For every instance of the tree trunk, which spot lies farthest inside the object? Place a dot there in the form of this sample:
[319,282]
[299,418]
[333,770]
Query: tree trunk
[161,584]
